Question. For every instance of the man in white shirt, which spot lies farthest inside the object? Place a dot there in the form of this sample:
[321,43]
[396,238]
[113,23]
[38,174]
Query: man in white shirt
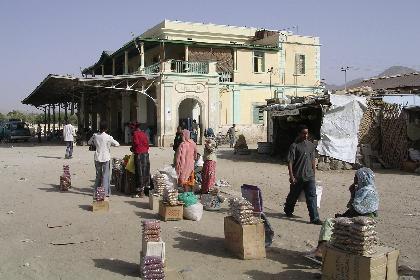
[68,136]
[102,157]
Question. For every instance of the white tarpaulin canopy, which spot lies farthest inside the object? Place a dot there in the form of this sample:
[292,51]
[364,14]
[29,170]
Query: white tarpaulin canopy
[340,127]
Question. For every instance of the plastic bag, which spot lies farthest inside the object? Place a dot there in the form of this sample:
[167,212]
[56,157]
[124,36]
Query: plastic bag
[319,189]
[193,212]
[130,167]
[171,173]
[189,198]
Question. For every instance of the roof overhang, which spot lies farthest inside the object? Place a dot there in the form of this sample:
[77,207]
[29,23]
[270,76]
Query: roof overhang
[56,89]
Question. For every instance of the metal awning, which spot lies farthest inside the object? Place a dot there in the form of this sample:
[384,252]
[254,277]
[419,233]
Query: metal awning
[65,88]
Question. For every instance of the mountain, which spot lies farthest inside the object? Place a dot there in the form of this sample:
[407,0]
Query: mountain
[393,70]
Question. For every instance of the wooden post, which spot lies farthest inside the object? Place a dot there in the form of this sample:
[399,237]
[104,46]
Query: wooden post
[65,112]
[53,108]
[113,66]
[141,55]
[59,116]
[49,118]
[45,121]
[126,62]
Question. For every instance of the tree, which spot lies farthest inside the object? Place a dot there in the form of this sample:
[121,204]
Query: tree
[15,114]
[2,117]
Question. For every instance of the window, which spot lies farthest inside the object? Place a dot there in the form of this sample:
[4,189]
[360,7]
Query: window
[300,64]
[258,62]
[257,115]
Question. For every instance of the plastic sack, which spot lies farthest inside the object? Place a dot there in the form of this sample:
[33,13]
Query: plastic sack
[130,167]
[319,189]
[171,173]
[189,198]
[193,212]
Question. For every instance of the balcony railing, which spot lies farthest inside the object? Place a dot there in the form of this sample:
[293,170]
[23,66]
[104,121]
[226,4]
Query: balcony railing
[152,69]
[179,66]
[225,77]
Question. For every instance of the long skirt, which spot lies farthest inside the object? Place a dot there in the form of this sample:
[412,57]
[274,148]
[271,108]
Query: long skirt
[209,175]
[142,171]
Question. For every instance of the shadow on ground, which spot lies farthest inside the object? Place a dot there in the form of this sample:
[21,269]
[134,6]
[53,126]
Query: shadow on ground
[146,215]
[199,243]
[253,157]
[296,267]
[118,266]
[86,207]
[72,190]
[139,204]
[289,274]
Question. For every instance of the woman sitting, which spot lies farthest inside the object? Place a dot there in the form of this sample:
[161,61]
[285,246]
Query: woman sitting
[364,201]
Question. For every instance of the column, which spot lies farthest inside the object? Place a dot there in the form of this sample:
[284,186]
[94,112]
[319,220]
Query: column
[235,60]
[53,109]
[59,115]
[113,66]
[125,110]
[141,56]
[94,122]
[141,107]
[103,70]
[65,112]
[49,118]
[236,108]
[186,52]
[45,121]
[126,62]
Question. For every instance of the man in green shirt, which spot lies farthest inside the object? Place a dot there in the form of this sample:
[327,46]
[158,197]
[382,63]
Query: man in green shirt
[301,163]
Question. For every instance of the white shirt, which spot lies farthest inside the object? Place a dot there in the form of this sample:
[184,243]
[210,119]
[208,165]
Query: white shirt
[68,133]
[103,143]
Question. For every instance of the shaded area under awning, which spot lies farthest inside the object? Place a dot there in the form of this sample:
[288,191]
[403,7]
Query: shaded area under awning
[64,88]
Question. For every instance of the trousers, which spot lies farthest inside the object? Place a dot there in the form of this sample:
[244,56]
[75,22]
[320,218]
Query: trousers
[69,149]
[310,193]
[102,176]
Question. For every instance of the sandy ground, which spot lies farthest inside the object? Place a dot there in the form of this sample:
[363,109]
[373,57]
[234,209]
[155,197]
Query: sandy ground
[30,200]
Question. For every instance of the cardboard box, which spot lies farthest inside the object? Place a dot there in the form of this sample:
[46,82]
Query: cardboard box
[153,249]
[245,241]
[100,206]
[338,264]
[170,213]
[154,202]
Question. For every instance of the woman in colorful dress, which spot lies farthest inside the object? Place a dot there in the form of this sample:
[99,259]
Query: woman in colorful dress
[185,159]
[209,168]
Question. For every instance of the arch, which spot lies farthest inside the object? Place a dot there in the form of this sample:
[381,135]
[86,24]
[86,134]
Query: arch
[203,113]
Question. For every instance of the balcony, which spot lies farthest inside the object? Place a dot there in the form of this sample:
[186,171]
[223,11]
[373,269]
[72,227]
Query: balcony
[189,67]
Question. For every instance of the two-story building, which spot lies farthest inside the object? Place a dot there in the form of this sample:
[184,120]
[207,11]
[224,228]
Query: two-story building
[177,72]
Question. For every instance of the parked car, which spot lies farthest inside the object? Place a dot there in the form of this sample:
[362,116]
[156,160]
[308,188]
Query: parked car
[14,131]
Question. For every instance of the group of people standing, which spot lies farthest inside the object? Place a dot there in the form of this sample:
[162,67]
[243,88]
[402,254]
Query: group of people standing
[185,157]
[140,149]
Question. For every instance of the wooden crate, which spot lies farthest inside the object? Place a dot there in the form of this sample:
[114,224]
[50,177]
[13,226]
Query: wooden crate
[382,265]
[170,213]
[100,206]
[245,241]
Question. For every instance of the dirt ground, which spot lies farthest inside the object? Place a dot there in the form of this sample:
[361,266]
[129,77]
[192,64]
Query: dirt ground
[30,200]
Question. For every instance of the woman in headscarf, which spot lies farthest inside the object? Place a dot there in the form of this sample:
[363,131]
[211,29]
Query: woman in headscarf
[185,159]
[209,168]
[364,201]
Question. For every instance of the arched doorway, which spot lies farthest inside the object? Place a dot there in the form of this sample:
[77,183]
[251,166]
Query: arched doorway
[190,116]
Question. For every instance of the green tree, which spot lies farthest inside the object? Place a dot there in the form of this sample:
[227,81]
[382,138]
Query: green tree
[15,114]
[2,117]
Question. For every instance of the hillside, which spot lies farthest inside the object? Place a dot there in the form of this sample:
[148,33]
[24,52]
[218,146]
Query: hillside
[393,70]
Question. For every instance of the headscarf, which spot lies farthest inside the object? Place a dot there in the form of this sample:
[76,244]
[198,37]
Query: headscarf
[366,198]
[186,155]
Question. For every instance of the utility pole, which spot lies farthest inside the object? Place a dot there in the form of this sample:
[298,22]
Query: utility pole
[345,69]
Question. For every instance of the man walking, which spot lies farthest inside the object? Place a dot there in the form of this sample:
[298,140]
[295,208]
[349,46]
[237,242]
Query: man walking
[301,163]
[103,143]
[232,135]
[68,136]
[140,149]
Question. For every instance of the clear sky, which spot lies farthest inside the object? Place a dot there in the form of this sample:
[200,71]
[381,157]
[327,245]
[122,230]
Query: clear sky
[54,36]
